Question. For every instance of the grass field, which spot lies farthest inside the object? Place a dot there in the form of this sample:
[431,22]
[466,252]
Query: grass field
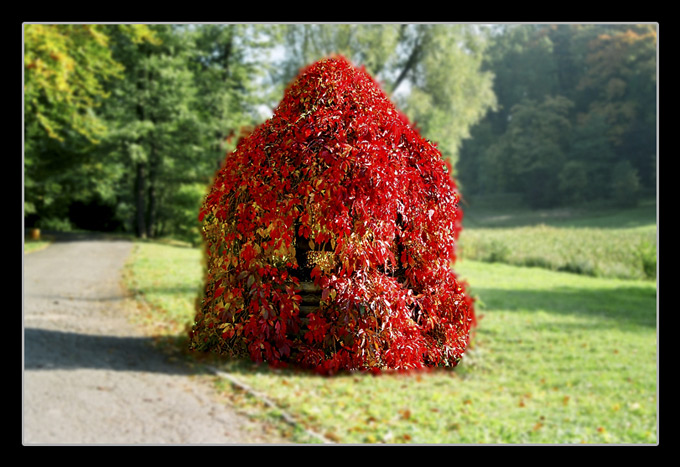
[603,243]
[558,358]
[34,245]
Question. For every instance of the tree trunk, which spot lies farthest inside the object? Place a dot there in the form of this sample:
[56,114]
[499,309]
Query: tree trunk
[152,193]
[140,199]
[140,178]
[411,62]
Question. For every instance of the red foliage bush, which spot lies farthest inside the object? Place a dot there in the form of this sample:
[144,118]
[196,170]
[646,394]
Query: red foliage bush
[337,194]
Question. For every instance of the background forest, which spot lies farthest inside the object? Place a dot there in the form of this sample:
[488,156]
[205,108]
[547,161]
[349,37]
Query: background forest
[125,125]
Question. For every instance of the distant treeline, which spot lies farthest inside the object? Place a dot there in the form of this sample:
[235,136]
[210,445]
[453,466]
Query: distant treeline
[575,120]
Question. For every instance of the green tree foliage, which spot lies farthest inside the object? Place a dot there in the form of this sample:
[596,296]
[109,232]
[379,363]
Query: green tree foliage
[66,72]
[163,111]
[523,65]
[230,66]
[170,117]
[65,67]
[625,184]
[533,149]
[592,151]
[154,128]
[606,72]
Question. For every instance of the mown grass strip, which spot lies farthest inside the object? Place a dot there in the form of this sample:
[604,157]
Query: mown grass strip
[617,253]
[606,242]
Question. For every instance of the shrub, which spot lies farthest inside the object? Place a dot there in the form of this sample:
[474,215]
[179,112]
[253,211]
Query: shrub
[573,182]
[330,232]
[60,224]
[625,185]
[181,212]
[647,254]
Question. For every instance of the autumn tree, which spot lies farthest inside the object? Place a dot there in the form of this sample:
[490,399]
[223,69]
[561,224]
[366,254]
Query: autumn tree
[65,67]
[335,197]
[431,71]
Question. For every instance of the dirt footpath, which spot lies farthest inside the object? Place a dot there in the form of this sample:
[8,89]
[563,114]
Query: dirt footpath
[92,378]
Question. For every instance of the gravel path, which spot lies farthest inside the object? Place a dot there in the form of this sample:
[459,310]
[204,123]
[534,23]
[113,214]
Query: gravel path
[92,378]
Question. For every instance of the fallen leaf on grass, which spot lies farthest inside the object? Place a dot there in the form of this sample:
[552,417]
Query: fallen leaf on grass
[332,436]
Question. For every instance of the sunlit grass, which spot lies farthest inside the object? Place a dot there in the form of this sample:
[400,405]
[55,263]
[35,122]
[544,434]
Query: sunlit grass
[166,280]
[558,358]
[607,243]
[34,245]
[619,253]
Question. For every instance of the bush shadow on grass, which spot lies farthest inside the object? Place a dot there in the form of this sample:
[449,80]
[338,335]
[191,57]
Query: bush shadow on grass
[617,307]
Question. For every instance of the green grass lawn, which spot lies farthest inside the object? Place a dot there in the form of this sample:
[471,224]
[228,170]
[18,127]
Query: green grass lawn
[558,358]
[34,245]
[166,280]
[603,243]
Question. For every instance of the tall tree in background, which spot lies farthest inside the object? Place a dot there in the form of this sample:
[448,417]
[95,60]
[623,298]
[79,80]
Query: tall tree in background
[66,70]
[230,66]
[621,83]
[173,115]
[522,62]
[140,105]
[532,151]
[449,91]
[156,131]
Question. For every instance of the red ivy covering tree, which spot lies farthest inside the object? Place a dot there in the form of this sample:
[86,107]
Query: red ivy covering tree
[330,233]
